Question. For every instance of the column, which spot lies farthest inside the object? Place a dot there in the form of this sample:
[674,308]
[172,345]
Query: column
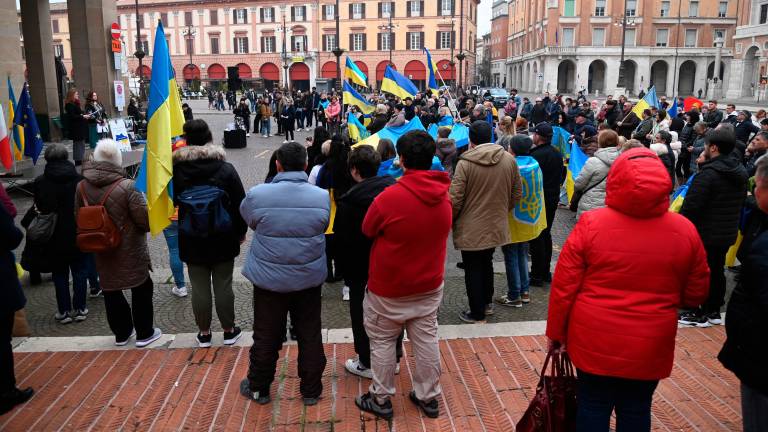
[38,47]
[92,55]
[10,52]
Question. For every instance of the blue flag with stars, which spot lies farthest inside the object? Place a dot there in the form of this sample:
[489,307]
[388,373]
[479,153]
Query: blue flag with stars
[25,117]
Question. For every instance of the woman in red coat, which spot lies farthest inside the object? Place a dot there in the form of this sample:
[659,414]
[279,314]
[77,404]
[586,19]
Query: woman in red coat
[622,275]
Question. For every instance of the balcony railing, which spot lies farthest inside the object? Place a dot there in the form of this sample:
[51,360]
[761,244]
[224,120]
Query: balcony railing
[561,50]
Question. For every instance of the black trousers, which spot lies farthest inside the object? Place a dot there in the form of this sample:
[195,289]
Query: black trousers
[7,377]
[269,310]
[716,263]
[332,261]
[683,165]
[123,318]
[541,246]
[361,341]
[478,277]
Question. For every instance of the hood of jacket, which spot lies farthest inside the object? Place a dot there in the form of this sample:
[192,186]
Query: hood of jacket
[728,166]
[484,154]
[660,149]
[61,171]
[102,173]
[638,185]
[607,155]
[195,162]
[195,153]
[363,193]
[430,187]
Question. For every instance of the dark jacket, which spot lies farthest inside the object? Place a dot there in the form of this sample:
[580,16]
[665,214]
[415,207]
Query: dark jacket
[54,192]
[745,348]
[11,296]
[713,118]
[538,114]
[378,123]
[677,124]
[745,130]
[409,112]
[351,209]
[642,130]
[288,117]
[714,200]
[205,165]
[78,126]
[750,162]
[629,122]
[612,116]
[551,162]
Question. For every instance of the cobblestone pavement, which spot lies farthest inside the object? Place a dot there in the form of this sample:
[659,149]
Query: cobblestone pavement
[174,315]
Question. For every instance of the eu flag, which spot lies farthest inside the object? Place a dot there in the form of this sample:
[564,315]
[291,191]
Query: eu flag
[25,117]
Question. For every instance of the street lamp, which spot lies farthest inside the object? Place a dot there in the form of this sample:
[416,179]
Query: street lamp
[623,23]
[337,51]
[389,27]
[139,54]
[285,31]
[189,35]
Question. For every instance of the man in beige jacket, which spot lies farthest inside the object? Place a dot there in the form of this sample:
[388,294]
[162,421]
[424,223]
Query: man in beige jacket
[485,187]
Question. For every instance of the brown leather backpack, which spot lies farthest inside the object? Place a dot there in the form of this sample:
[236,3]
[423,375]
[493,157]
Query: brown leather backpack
[96,232]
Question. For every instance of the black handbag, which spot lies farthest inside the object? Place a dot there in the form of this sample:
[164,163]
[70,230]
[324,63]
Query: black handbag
[39,226]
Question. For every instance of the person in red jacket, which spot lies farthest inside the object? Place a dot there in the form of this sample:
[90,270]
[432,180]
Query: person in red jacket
[613,304]
[409,224]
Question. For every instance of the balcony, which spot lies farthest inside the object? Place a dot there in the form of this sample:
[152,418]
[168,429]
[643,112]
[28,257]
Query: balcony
[561,50]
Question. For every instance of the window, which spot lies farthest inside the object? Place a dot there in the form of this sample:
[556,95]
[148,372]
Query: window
[357,41]
[55,25]
[299,43]
[358,10]
[141,21]
[240,16]
[386,9]
[164,19]
[664,8]
[722,9]
[58,50]
[268,44]
[631,7]
[763,14]
[329,42]
[190,43]
[444,40]
[241,45]
[446,8]
[662,36]
[414,7]
[414,41]
[690,38]
[629,38]
[600,8]
[386,40]
[330,12]
[570,8]
[188,18]
[718,34]
[693,9]
[143,45]
[297,13]
[598,37]
[214,14]
[568,37]
[267,15]
[214,45]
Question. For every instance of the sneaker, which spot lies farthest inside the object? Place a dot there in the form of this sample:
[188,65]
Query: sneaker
[368,403]
[345,293]
[264,136]
[261,397]
[354,367]
[489,309]
[525,298]
[125,341]
[298,129]
[204,341]
[81,314]
[64,318]
[247,135]
[693,318]
[397,369]
[505,301]
[231,337]
[430,409]
[715,318]
[141,343]
[311,401]
[285,141]
[467,318]
[179,291]
[95,292]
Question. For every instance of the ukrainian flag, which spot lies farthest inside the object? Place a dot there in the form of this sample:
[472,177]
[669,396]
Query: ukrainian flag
[398,84]
[649,100]
[352,97]
[164,120]
[432,69]
[575,164]
[351,71]
[357,132]
[676,202]
[18,131]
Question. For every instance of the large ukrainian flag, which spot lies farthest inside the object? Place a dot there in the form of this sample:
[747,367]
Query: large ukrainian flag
[164,120]
[398,84]
[351,71]
[352,97]
[432,69]
[649,100]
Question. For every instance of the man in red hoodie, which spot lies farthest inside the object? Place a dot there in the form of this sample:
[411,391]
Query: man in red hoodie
[409,224]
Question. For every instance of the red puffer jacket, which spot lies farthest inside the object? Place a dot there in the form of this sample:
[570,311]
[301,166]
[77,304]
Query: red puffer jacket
[624,272]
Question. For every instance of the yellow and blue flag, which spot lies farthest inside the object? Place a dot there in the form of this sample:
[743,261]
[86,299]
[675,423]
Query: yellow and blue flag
[25,117]
[528,219]
[357,132]
[676,201]
[575,164]
[397,84]
[18,135]
[164,120]
[351,71]
[352,97]
[432,73]
[649,100]
[392,133]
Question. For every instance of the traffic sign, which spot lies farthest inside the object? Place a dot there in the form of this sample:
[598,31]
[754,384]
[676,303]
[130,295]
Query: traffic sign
[115,31]
[116,46]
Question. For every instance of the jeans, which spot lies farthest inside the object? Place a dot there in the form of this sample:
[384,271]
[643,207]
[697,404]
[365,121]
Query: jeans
[60,276]
[478,277]
[265,127]
[123,318]
[541,246]
[716,263]
[300,118]
[308,115]
[754,409]
[219,276]
[598,396]
[171,234]
[89,267]
[516,264]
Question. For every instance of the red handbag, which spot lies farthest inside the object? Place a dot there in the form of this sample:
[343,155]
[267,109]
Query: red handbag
[553,408]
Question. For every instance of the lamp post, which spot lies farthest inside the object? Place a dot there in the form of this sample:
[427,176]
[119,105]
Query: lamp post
[460,56]
[189,36]
[337,51]
[621,86]
[139,54]
[389,27]
[284,29]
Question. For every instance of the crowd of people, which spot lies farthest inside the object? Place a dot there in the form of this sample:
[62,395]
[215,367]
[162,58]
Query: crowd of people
[379,218]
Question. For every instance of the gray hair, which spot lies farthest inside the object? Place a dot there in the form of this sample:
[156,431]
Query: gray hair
[108,151]
[55,151]
[726,127]
[505,141]
[761,169]
[701,125]
[381,109]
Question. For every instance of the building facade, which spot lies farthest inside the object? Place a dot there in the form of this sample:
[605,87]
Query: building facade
[570,45]
[291,42]
[498,42]
[750,52]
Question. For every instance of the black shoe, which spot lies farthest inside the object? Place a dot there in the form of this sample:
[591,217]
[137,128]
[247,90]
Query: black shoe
[311,401]
[204,341]
[231,337]
[15,397]
[261,397]
[368,404]
[430,409]
[460,265]
[95,292]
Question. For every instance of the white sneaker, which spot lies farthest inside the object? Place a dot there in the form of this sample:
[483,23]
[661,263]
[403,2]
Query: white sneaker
[298,129]
[345,293]
[285,141]
[81,314]
[144,342]
[397,369]
[247,135]
[354,367]
[179,291]
[64,318]
[125,342]
[264,136]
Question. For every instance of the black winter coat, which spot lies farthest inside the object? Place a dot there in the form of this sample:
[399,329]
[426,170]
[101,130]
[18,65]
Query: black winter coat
[713,118]
[629,122]
[538,114]
[378,123]
[11,296]
[745,130]
[204,165]
[351,209]
[551,162]
[746,347]
[78,126]
[714,200]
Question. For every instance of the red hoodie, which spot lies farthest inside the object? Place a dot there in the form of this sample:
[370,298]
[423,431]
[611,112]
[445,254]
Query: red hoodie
[409,224]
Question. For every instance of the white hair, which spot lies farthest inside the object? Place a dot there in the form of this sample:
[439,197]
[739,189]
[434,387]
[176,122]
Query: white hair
[108,151]
[325,147]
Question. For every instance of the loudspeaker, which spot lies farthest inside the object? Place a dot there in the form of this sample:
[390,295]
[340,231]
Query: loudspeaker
[233,78]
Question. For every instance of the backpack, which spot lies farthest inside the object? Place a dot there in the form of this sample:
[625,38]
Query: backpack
[96,232]
[203,212]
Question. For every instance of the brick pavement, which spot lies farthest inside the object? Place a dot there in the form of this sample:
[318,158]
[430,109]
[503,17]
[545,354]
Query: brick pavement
[487,383]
